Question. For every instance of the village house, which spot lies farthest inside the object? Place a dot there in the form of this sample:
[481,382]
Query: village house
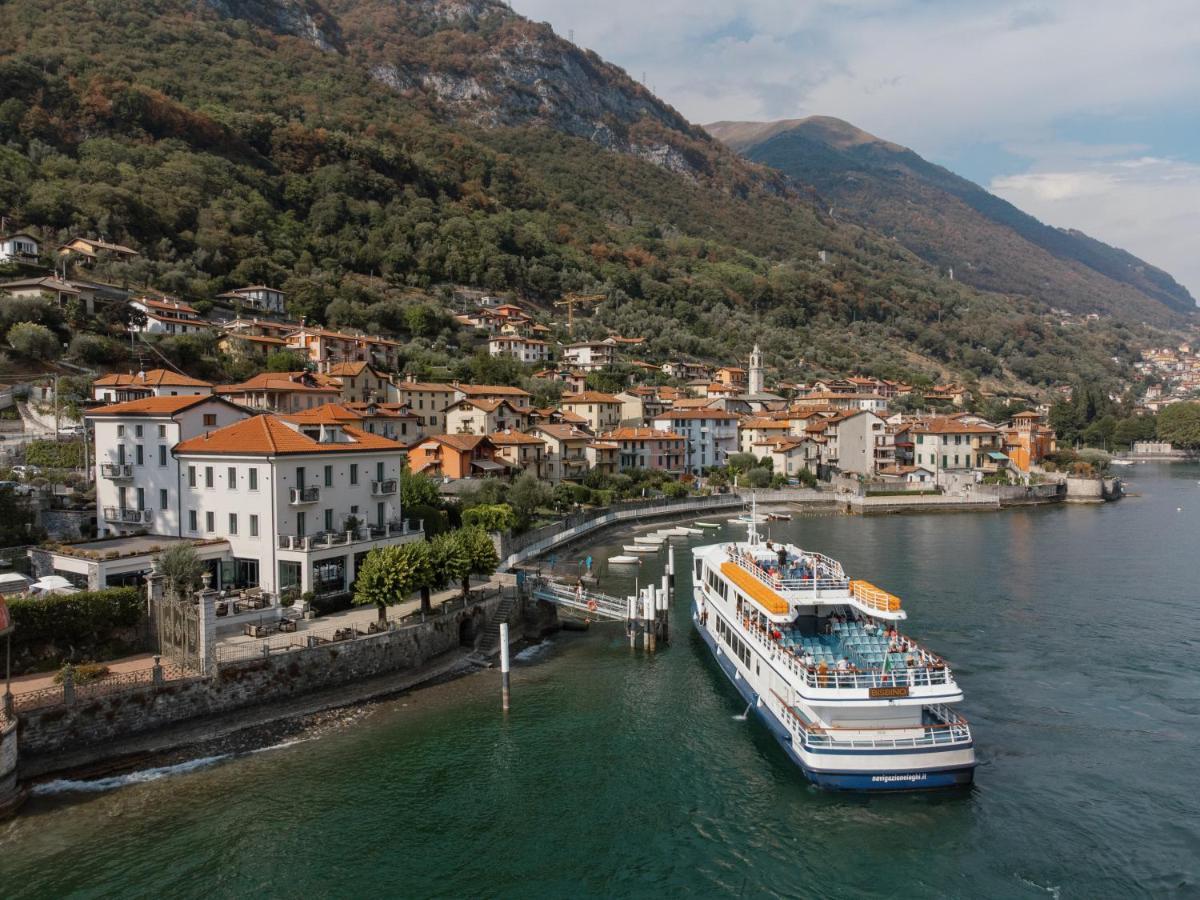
[427,399]
[602,411]
[758,429]
[49,288]
[732,377]
[324,347]
[591,355]
[280,392]
[19,247]
[526,350]
[242,345]
[392,422]
[455,456]
[789,456]
[710,435]
[92,251]
[169,316]
[602,456]
[850,400]
[858,442]
[119,388]
[257,297]
[359,382]
[1028,440]
[946,444]
[522,452]
[566,451]
[648,448]
[686,371]
[300,505]
[640,404]
[471,416]
[137,479]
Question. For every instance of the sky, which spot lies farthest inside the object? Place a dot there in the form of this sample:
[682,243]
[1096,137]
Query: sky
[1084,113]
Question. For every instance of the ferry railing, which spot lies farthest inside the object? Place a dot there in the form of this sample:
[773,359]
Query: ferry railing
[930,673]
[952,729]
[788,584]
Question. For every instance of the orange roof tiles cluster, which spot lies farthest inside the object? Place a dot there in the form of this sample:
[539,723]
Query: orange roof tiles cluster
[267,435]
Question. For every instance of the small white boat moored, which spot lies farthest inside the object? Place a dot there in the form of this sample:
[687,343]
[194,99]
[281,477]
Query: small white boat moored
[640,548]
[624,560]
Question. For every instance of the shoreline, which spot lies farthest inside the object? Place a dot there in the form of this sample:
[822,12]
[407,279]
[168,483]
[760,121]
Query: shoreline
[260,727]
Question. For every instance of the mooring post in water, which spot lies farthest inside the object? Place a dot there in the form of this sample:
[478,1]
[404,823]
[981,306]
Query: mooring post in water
[631,623]
[504,665]
[665,610]
[671,566]
[649,618]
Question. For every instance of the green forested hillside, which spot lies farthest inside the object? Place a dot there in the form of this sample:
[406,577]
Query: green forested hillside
[349,151]
[953,223]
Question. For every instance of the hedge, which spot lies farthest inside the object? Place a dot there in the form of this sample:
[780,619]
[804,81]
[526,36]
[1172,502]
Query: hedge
[54,454]
[69,627]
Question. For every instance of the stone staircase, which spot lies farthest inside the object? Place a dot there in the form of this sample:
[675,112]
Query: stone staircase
[489,641]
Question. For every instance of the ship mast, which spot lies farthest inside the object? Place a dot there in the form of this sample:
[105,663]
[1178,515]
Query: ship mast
[752,528]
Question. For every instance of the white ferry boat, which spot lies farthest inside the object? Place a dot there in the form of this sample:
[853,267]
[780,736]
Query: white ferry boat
[854,703]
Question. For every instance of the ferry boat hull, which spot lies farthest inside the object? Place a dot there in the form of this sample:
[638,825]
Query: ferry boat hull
[899,772]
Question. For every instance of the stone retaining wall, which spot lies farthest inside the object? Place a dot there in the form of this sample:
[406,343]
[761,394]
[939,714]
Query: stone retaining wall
[10,792]
[256,681]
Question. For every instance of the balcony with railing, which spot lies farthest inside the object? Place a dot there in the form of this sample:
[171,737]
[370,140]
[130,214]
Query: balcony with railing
[117,471]
[128,516]
[363,534]
[304,495]
[383,488]
[809,572]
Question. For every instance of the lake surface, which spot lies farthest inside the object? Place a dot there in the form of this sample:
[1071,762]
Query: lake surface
[1073,631]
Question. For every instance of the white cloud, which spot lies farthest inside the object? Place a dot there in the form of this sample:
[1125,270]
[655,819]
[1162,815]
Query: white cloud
[952,79]
[1145,205]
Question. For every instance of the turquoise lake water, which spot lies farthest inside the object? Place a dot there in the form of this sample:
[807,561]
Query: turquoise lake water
[1073,631]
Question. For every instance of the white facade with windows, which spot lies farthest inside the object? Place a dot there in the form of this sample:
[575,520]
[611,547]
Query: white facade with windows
[137,478]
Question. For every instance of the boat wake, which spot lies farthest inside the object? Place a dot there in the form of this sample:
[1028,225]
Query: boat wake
[98,785]
[144,776]
[531,653]
[745,714]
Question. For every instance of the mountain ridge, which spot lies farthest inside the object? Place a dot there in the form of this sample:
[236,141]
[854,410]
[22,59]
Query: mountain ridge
[959,225]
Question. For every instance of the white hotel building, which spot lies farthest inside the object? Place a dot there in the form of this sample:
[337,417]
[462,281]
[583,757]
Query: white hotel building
[270,503]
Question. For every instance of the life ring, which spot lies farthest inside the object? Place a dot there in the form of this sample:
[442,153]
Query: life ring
[592,605]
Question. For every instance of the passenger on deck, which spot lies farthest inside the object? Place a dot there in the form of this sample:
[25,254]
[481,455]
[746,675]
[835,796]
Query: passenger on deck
[894,644]
[823,673]
[870,628]
[843,664]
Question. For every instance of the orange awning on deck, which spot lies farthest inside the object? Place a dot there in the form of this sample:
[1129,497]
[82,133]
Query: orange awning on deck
[755,589]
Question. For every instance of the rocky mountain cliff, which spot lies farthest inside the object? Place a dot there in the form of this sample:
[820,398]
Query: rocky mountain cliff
[952,222]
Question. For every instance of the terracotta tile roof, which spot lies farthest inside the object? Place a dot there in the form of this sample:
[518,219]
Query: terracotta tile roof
[604,445]
[762,422]
[326,414]
[49,283]
[678,413]
[426,386]
[494,390]
[591,397]
[274,381]
[382,410]
[257,339]
[641,434]
[461,442]
[153,378]
[950,426]
[562,432]
[101,245]
[502,438]
[153,406]
[267,435]
[167,305]
[350,369]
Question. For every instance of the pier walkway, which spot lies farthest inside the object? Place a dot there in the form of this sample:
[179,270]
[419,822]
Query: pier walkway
[593,604]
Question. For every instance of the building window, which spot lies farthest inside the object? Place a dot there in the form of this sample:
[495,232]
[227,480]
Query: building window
[210,420]
[137,430]
[162,454]
[233,523]
[329,520]
[208,476]
[192,520]
[191,476]
[162,431]
[253,479]
[139,455]
[231,475]
[329,476]
[210,522]
[120,431]
[354,473]
[163,501]
[254,526]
